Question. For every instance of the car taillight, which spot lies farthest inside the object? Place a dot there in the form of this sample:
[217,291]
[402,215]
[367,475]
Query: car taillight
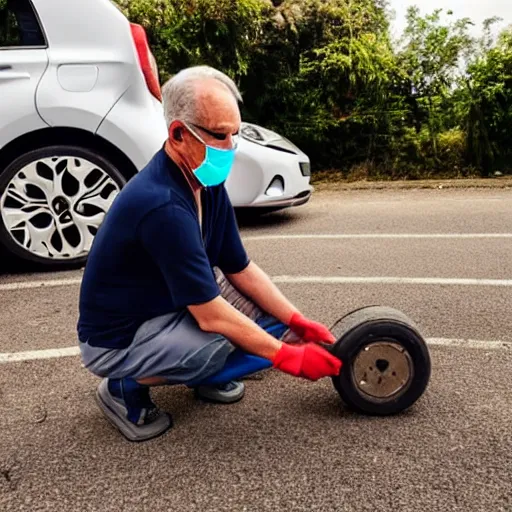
[146,60]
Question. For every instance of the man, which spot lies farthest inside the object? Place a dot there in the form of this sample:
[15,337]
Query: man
[153,308]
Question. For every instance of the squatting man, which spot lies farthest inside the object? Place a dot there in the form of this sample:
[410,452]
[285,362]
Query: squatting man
[169,292]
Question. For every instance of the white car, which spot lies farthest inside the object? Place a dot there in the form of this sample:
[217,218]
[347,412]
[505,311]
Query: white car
[81,113]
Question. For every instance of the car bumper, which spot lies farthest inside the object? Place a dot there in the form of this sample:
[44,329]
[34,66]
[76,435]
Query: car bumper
[288,202]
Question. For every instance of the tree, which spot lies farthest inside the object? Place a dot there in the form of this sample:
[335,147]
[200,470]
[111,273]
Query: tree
[182,34]
[331,62]
[485,99]
[431,58]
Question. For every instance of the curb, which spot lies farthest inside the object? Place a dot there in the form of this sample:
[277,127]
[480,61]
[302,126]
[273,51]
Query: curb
[483,183]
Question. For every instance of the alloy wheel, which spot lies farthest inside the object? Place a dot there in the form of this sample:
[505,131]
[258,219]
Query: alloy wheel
[53,207]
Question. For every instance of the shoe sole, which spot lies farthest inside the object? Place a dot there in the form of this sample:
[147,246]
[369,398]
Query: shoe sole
[211,395]
[112,411]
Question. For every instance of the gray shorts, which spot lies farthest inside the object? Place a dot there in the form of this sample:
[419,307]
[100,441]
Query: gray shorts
[173,346]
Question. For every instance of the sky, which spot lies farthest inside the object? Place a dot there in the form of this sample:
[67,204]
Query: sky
[477,10]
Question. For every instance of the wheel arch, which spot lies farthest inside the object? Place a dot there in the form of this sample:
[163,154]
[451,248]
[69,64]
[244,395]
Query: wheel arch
[73,136]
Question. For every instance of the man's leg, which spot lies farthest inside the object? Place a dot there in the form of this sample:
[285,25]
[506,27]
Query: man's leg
[223,386]
[153,381]
[232,391]
[166,350]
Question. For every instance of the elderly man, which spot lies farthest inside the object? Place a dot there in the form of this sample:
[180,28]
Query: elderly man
[169,293]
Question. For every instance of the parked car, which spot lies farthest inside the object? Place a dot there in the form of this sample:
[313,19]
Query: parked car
[81,113]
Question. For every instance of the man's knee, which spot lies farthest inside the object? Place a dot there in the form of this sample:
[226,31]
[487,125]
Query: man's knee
[236,299]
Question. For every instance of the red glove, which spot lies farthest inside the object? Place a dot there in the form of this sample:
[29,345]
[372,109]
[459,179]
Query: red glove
[308,361]
[309,330]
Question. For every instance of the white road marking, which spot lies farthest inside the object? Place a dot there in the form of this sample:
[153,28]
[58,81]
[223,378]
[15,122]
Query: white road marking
[432,281]
[375,236]
[24,285]
[52,353]
[390,280]
[480,344]
[49,283]
[56,353]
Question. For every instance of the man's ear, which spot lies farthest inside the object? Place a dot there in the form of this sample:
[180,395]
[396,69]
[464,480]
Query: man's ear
[176,132]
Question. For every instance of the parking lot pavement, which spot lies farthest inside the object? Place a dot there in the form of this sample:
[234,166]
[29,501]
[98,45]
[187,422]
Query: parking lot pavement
[291,445]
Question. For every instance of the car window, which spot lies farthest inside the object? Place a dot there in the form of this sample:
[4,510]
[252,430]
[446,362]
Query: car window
[19,26]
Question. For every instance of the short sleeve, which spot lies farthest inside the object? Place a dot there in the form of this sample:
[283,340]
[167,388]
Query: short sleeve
[172,238]
[233,257]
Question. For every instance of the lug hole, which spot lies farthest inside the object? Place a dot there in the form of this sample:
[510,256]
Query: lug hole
[382,365]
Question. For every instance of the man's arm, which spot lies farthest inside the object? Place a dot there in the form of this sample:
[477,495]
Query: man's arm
[254,283]
[308,361]
[220,317]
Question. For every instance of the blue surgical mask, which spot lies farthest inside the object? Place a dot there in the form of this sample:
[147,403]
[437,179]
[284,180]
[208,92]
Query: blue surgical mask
[216,165]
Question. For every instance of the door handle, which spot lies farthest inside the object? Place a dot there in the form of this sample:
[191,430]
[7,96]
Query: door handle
[4,68]
[13,75]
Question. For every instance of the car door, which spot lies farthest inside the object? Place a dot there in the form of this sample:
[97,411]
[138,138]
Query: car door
[23,60]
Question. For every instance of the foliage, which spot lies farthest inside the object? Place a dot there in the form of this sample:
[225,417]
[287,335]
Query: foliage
[8,26]
[181,34]
[338,56]
[430,59]
[485,100]
[326,74]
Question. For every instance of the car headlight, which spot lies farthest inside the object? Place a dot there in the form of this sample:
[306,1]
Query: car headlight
[252,133]
[305,168]
[268,138]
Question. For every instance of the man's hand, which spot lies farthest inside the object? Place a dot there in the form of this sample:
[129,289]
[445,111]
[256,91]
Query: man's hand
[309,361]
[309,330]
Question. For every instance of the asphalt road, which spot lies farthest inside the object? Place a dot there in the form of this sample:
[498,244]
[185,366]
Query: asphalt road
[291,445]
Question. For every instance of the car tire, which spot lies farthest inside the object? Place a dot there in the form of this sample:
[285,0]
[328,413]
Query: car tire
[370,336]
[53,200]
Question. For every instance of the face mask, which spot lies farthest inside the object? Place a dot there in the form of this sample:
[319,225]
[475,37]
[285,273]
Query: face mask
[216,165]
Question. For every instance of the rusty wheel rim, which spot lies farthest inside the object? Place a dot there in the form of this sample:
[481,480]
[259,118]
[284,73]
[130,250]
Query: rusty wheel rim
[382,370]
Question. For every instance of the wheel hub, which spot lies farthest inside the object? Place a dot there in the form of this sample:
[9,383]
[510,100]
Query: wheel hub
[382,370]
[60,205]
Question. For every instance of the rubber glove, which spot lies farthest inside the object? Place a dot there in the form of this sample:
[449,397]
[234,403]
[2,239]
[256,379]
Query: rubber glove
[309,361]
[309,330]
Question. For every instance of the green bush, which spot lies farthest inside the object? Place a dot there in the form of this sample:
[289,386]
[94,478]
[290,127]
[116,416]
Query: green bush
[221,34]
[452,151]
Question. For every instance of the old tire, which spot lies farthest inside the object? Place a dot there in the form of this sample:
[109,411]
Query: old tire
[386,362]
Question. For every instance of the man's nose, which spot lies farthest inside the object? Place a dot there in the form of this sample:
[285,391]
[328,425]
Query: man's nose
[227,143]
[231,142]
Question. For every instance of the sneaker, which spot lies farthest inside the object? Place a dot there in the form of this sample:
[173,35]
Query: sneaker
[223,393]
[128,407]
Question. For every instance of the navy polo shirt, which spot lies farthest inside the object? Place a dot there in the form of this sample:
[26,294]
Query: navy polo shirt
[150,256]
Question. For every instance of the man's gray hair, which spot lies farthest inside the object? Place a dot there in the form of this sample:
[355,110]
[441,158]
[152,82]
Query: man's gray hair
[179,94]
